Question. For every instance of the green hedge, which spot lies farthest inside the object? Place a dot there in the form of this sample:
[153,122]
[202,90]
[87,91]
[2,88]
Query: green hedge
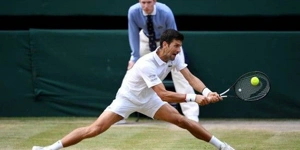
[78,72]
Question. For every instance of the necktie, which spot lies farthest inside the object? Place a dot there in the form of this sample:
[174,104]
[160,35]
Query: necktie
[152,43]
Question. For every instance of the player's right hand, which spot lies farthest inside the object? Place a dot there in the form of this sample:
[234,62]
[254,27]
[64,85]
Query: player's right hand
[202,100]
[214,97]
[130,64]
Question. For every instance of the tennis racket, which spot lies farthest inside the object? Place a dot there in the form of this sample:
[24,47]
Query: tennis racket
[244,90]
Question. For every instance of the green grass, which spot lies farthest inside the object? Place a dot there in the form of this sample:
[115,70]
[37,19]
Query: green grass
[23,133]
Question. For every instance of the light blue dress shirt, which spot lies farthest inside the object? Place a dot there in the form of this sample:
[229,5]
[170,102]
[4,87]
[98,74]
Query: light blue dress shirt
[163,18]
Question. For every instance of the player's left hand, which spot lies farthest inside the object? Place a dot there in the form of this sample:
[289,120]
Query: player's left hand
[201,100]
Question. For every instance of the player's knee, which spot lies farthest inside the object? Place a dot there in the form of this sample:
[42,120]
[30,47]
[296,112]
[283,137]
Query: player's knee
[180,121]
[95,130]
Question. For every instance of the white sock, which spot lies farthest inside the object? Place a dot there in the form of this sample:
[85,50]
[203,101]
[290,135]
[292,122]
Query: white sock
[216,142]
[56,146]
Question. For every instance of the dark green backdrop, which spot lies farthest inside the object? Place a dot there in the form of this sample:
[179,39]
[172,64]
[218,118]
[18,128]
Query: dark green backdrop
[77,72]
[52,72]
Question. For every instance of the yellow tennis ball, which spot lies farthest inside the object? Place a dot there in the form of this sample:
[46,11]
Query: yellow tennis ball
[254,81]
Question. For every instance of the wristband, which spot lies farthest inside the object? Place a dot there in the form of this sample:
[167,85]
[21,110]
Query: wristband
[190,97]
[205,92]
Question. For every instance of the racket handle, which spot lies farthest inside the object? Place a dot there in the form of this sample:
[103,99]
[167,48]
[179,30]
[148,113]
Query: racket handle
[224,96]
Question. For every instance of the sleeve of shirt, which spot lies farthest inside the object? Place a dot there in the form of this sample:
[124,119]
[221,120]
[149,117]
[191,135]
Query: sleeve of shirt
[171,23]
[133,33]
[149,76]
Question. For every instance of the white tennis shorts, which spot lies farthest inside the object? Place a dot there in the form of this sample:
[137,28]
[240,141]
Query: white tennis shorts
[124,107]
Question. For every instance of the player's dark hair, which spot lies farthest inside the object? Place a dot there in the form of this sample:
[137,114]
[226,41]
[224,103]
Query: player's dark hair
[169,35]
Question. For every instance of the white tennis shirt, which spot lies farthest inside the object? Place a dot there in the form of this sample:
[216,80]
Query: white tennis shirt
[147,72]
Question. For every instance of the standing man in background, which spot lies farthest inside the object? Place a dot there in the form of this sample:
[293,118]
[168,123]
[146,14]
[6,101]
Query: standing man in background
[147,20]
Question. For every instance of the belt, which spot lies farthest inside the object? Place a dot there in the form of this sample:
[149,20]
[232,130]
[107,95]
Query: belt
[156,40]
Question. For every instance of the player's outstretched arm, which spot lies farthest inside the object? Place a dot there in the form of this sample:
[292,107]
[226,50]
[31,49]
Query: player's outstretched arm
[173,97]
[199,86]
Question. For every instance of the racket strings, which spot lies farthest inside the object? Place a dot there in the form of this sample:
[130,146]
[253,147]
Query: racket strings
[248,92]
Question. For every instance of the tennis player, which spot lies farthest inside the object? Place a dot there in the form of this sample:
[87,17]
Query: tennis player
[142,91]
[162,18]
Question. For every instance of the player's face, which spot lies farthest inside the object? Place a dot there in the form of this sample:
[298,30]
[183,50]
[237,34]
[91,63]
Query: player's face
[173,49]
[147,5]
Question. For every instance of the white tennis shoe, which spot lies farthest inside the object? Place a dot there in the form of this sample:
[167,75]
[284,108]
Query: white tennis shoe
[226,147]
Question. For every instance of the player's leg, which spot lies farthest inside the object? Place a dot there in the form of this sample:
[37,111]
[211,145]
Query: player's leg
[190,110]
[104,121]
[116,111]
[160,110]
[170,114]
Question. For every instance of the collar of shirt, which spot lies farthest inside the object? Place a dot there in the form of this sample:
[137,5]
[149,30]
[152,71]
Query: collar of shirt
[157,59]
[153,12]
